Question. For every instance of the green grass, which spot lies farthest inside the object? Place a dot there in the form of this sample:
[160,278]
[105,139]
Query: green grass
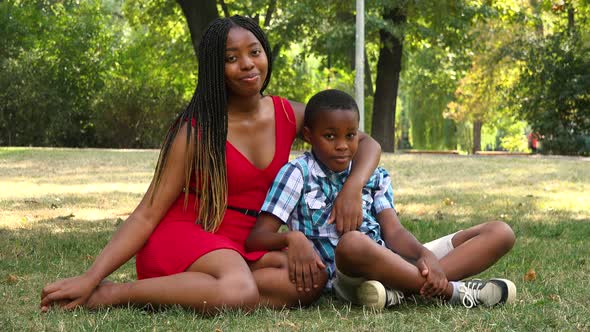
[58,207]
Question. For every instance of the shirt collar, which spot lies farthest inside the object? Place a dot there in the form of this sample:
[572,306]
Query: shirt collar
[320,170]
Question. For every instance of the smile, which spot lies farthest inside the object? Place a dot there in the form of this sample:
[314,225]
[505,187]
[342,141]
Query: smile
[250,77]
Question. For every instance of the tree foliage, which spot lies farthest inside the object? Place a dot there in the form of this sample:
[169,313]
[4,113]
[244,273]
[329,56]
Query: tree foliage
[89,74]
[553,90]
[113,73]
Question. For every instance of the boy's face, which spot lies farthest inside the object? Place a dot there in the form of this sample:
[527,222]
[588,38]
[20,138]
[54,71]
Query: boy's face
[334,138]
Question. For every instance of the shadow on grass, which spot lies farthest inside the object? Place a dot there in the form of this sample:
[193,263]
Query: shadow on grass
[106,200]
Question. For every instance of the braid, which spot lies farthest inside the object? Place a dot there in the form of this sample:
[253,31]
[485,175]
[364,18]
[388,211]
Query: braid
[207,110]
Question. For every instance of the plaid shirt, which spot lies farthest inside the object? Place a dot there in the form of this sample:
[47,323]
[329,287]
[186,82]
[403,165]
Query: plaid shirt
[302,196]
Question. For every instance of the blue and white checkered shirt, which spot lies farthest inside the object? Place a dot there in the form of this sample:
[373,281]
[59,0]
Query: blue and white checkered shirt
[302,196]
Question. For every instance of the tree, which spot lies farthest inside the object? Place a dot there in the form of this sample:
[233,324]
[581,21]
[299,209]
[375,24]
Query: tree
[552,93]
[50,76]
[405,30]
[479,94]
[198,15]
[387,81]
[96,73]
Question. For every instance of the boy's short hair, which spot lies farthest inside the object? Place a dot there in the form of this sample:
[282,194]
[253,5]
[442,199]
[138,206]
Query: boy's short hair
[328,100]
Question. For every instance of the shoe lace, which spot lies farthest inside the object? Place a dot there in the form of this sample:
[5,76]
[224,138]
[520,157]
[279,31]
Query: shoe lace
[470,290]
[393,297]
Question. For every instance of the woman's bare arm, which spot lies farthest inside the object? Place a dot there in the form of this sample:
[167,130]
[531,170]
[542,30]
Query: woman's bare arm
[130,237]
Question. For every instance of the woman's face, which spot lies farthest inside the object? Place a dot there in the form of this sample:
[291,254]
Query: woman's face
[246,64]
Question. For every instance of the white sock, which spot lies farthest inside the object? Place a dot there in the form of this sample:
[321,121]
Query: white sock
[348,280]
[456,297]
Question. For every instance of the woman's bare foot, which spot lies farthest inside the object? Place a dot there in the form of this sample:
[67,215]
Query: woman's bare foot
[104,295]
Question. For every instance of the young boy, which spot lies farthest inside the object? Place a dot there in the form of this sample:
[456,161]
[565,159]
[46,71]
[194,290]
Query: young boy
[380,261]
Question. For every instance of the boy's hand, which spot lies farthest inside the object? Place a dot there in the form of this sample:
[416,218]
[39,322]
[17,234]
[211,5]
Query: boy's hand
[304,264]
[436,279]
[347,211]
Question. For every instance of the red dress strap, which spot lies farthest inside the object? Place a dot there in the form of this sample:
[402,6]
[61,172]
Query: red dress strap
[286,129]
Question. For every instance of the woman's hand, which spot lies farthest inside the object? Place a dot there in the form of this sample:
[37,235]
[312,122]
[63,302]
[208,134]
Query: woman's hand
[436,279]
[304,263]
[67,293]
[347,211]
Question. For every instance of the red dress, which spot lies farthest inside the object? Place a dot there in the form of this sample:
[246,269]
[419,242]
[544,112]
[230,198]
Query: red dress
[178,241]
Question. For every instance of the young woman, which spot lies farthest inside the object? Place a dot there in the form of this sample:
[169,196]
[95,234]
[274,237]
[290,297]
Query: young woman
[215,167]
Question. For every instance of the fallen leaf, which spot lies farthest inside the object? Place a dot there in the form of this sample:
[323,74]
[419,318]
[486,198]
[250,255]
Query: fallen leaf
[89,257]
[287,323]
[530,275]
[439,215]
[11,278]
[218,330]
[555,297]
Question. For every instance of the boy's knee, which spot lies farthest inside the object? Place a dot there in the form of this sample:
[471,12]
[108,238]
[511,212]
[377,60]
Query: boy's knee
[504,233]
[350,245]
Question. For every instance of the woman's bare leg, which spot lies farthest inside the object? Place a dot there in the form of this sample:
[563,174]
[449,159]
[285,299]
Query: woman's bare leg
[477,248]
[357,255]
[276,290]
[217,280]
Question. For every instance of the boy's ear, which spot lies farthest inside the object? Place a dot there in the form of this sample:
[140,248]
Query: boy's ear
[307,134]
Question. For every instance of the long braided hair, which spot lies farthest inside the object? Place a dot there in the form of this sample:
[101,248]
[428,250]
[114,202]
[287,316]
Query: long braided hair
[207,112]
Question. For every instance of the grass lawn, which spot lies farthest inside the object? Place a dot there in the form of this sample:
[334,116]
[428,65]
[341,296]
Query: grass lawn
[58,208]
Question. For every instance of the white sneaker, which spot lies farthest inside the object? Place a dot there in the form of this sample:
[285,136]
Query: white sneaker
[486,292]
[374,295]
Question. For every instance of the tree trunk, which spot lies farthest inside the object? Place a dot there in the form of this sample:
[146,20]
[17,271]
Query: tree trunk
[570,18]
[387,82]
[224,8]
[198,15]
[477,135]
[537,11]
[368,80]
[272,7]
